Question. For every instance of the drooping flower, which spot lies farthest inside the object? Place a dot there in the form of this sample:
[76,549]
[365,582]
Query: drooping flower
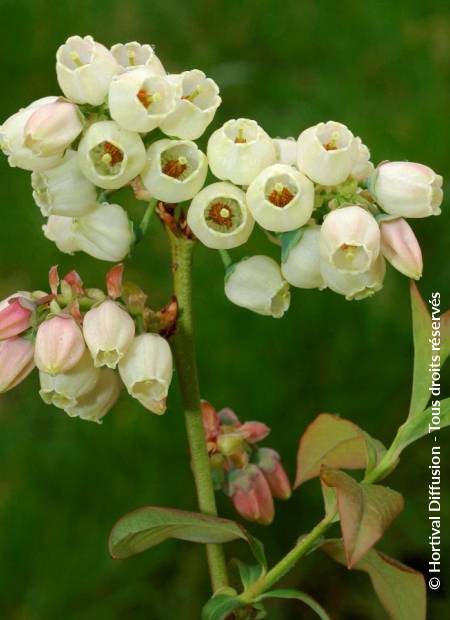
[15,316]
[256,283]
[52,128]
[350,239]
[355,285]
[109,332]
[251,495]
[99,401]
[16,362]
[302,265]
[269,462]
[59,345]
[146,371]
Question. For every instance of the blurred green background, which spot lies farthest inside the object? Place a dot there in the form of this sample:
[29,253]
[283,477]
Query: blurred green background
[382,68]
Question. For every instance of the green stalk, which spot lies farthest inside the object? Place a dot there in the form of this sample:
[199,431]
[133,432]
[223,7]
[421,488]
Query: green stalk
[185,361]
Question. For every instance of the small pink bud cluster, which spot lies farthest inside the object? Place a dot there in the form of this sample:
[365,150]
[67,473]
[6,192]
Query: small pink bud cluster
[79,338]
[250,475]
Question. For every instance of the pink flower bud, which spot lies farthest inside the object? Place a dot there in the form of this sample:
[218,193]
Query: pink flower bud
[401,248]
[211,421]
[16,362]
[269,462]
[254,431]
[59,345]
[15,317]
[52,128]
[251,496]
[227,416]
[114,281]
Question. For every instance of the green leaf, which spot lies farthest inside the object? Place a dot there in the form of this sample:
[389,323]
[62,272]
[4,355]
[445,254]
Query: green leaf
[400,589]
[288,241]
[219,607]
[248,574]
[332,441]
[422,352]
[146,527]
[300,596]
[418,426]
[365,511]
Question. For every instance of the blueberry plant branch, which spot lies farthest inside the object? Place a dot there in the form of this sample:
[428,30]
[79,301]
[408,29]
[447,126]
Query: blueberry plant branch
[183,348]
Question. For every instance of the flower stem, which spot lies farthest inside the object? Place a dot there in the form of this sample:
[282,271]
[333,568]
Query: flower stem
[184,353]
[226,258]
[280,569]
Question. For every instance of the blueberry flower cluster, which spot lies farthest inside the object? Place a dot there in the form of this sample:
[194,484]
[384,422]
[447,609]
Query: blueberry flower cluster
[86,345]
[336,217]
[250,475]
[96,138]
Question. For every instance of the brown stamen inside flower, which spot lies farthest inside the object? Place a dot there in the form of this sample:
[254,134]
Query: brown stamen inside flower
[220,214]
[115,154]
[332,144]
[280,197]
[145,97]
[239,139]
[175,167]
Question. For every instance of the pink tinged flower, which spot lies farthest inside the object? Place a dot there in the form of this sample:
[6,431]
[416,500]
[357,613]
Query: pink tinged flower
[15,317]
[401,248]
[109,332]
[52,128]
[211,422]
[254,431]
[251,495]
[114,281]
[59,345]
[16,362]
[269,463]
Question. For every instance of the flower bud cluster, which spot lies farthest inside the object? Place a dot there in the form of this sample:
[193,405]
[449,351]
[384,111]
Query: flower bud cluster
[250,475]
[95,139]
[86,345]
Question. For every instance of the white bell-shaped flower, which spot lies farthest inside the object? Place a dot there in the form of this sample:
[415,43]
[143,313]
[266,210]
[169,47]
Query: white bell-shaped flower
[84,69]
[281,198]
[106,233]
[196,106]
[61,231]
[12,139]
[108,331]
[350,239]
[302,266]
[110,156]
[407,189]
[139,100]
[99,401]
[286,149]
[65,389]
[327,153]
[355,285]
[256,283]
[64,190]
[53,127]
[132,55]
[176,170]
[146,371]
[219,216]
[59,345]
[239,150]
